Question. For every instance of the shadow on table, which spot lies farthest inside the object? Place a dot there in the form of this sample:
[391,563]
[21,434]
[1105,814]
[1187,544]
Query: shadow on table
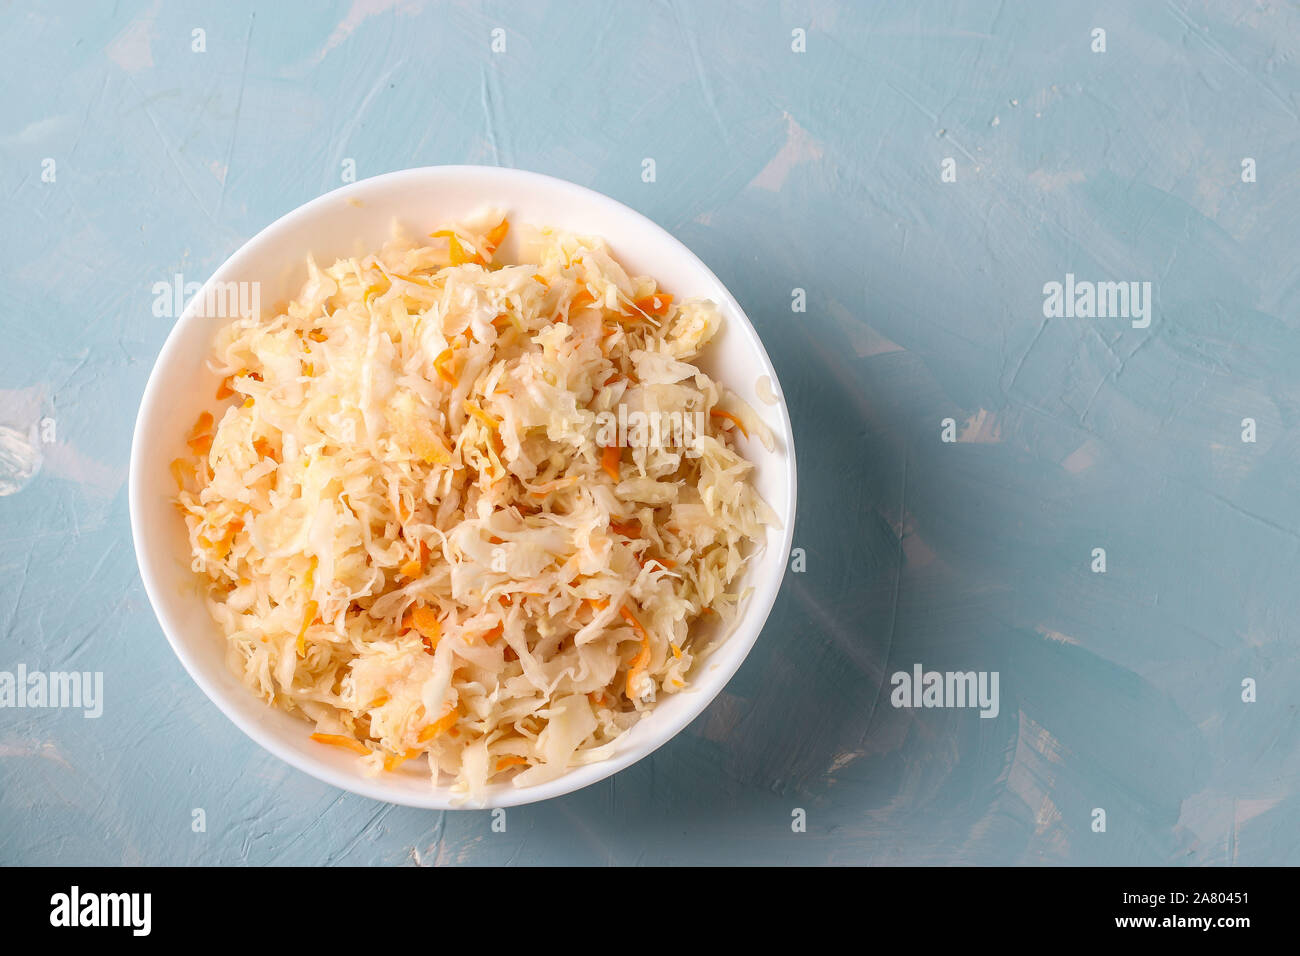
[907,562]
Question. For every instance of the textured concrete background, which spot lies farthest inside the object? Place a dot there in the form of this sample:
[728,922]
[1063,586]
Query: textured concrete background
[821,170]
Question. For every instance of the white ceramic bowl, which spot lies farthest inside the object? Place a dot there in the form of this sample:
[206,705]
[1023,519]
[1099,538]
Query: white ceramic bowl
[356,219]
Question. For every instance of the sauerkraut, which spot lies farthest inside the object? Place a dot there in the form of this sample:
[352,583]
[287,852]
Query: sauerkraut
[470,512]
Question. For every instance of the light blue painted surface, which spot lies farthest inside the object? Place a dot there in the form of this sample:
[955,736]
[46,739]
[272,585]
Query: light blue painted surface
[819,170]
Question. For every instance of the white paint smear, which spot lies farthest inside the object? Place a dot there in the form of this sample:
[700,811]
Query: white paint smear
[800,147]
[20,459]
[132,49]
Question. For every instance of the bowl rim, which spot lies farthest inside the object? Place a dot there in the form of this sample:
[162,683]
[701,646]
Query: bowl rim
[706,686]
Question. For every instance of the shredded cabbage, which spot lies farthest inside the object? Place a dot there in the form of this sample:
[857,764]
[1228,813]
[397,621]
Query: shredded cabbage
[411,524]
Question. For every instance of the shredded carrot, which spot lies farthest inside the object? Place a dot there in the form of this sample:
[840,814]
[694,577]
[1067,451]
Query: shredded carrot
[227,538]
[496,235]
[443,723]
[626,613]
[458,254]
[719,413]
[677,651]
[200,440]
[636,669]
[224,390]
[628,530]
[609,460]
[512,761]
[656,304]
[542,279]
[264,449]
[439,366]
[415,567]
[490,636]
[308,616]
[383,698]
[338,740]
[426,622]
[472,409]
[393,761]
[581,299]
